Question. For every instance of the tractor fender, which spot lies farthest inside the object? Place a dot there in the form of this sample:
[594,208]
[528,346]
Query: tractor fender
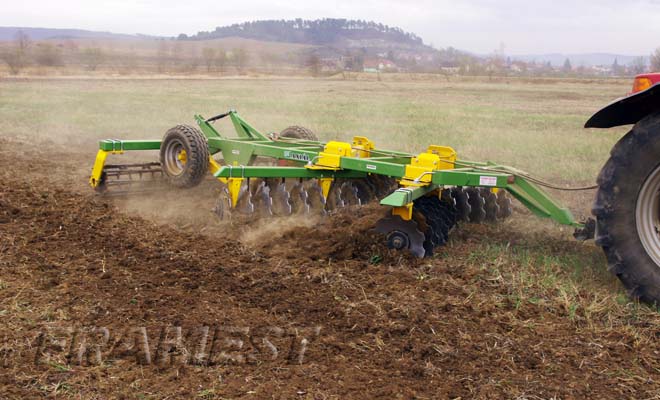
[627,110]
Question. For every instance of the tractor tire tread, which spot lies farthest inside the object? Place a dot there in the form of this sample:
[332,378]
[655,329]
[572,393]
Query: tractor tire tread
[631,160]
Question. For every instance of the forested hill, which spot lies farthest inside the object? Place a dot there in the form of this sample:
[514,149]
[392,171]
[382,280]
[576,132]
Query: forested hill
[317,32]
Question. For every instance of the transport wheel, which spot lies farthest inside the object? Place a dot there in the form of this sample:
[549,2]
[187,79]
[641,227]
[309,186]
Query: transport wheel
[296,132]
[627,210]
[184,156]
[299,132]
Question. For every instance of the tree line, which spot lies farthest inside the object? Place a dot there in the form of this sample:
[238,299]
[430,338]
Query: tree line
[170,56]
[186,57]
[320,31]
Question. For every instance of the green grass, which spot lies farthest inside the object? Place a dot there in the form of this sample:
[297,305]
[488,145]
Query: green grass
[535,126]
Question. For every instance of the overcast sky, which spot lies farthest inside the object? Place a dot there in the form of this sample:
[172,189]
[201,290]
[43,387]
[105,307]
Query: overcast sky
[481,26]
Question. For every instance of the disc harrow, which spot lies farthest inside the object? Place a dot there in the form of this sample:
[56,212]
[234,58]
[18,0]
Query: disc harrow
[428,194]
[277,175]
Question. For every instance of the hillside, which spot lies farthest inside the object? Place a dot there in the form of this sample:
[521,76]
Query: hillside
[323,45]
[9,33]
[327,31]
[333,38]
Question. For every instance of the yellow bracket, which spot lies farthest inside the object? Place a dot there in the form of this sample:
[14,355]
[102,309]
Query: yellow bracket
[362,146]
[99,163]
[330,157]
[446,154]
[215,167]
[326,184]
[420,170]
[234,187]
[405,212]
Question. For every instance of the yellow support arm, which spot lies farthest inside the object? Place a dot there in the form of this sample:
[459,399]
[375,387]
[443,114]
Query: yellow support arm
[97,170]
[234,187]
[215,167]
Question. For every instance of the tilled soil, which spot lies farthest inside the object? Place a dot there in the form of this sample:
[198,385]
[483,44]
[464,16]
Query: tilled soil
[314,311]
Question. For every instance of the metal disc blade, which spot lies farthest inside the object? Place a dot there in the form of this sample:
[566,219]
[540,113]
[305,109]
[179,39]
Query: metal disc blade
[463,208]
[244,204]
[222,208]
[490,204]
[349,194]
[365,190]
[402,234]
[382,185]
[447,205]
[477,203]
[315,198]
[437,232]
[298,199]
[262,201]
[506,207]
[279,197]
[334,200]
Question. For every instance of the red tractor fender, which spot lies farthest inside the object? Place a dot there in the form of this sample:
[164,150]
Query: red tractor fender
[627,110]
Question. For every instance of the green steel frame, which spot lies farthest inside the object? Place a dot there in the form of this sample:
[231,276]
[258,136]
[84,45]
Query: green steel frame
[239,154]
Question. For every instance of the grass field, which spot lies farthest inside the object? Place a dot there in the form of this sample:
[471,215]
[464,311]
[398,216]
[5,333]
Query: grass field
[529,270]
[533,125]
[537,127]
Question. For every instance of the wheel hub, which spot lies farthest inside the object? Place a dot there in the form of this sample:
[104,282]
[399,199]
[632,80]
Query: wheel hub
[402,234]
[647,215]
[397,240]
[175,158]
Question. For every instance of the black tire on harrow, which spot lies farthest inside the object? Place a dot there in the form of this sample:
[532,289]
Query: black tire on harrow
[633,165]
[191,172]
[299,132]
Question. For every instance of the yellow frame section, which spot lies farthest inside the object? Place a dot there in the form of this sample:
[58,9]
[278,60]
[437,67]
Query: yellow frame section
[99,163]
[419,171]
[362,146]
[330,157]
[326,184]
[405,212]
[215,167]
[234,188]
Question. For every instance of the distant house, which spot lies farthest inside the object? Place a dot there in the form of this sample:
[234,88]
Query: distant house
[601,70]
[517,66]
[450,70]
[378,65]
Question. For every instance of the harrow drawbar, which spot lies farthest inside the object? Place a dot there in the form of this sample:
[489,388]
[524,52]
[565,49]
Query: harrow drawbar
[293,173]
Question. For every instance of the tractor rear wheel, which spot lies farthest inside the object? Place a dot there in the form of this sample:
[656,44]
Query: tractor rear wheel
[184,156]
[627,210]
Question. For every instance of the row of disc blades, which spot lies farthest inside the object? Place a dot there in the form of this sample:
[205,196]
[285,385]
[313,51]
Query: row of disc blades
[480,204]
[434,217]
[279,197]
